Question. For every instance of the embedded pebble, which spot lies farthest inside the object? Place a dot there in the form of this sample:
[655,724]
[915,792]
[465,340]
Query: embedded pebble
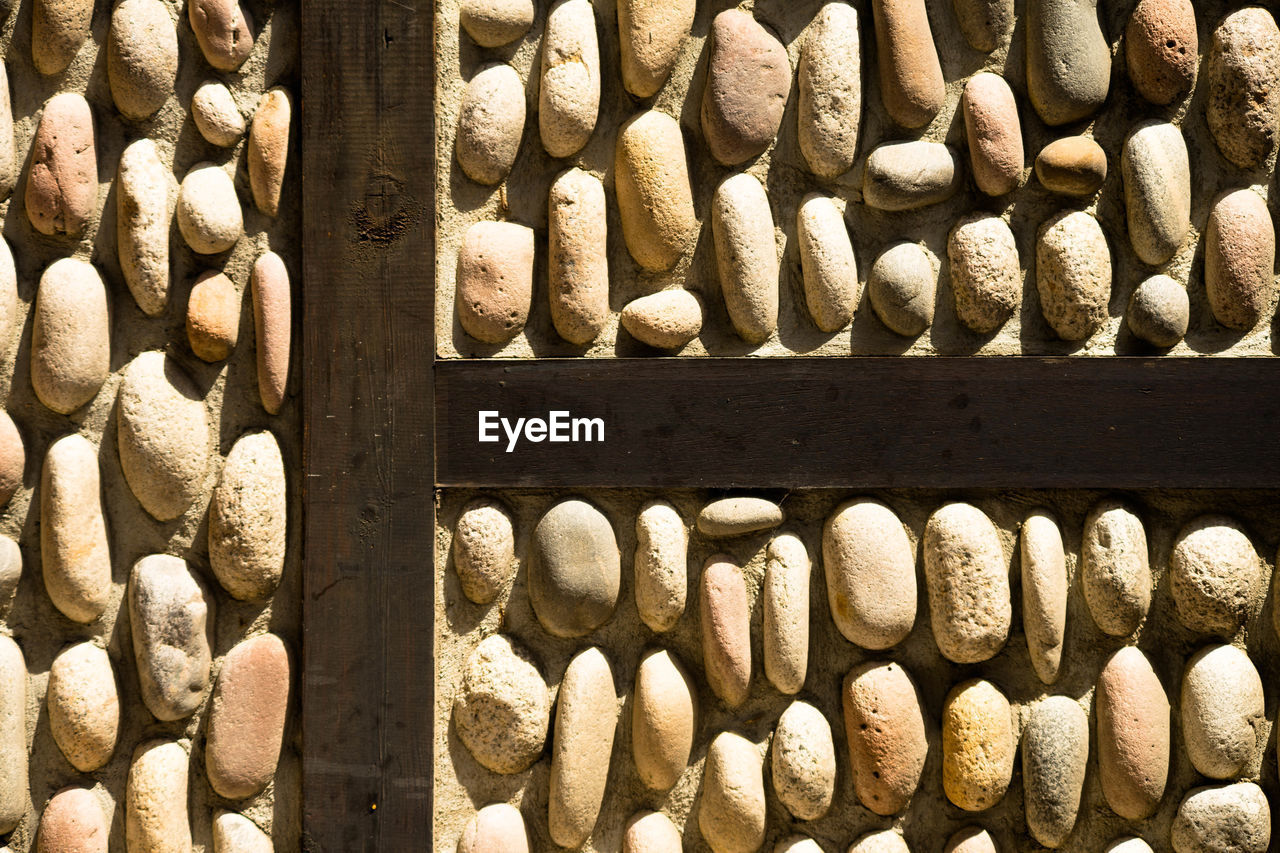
[731,814]
[908,175]
[830,87]
[213,316]
[663,719]
[83,706]
[668,319]
[1243,106]
[902,288]
[971,839]
[968,583]
[651,832]
[797,844]
[144,216]
[496,828]
[484,550]
[9,303]
[985,24]
[73,821]
[1055,756]
[1044,593]
[586,718]
[1133,734]
[208,210]
[737,516]
[786,613]
[804,761]
[911,83]
[493,23]
[235,833]
[577,260]
[650,35]
[661,565]
[490,124]
[986,275]
[1161,48]
[502,709]
[58,29]
[978,745]
[74,555]
[223,30]
[155,819]
[10,571]
[1157,190]
[70,335]
[62,184]
[569,94]
[884,725]
[14,788]
[1128,845]
[142,57]
[247,716]
[748,80]
[1073,274]
[272,325]
[9,163]
[884,841]
[1239,258]
[1159,311]
[1115,573]
[1223,819]
[746,256]
[216,115]
[1073,165]
[1213,573]
[726,630]
[827,263]
[170,622]
[494,288]
[994,133]
[870,566]
[1223,711]
[164,435]
[574,569]
[651,181]
[1068,59]
[268,151]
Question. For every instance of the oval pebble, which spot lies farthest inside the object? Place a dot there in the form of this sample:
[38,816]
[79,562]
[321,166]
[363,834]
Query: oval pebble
[208,211]
[909,175]
[484,550]
[247,716]
[1159,311]
[663,719]
[1213,574]
[731,814]
[74,555]
[272,325]
[70,336]
[1068,59]
[830,89]
[1243,106]
[971,839]
[502,710]
[213,316]
[58,29]
[143,219]
[804,761]
[268,151]
[216,116]
[827,263]
[986,275]
[968,583]
[870,566]
[586,718]
[9,163]
[1072,165]
[661,565]
[1073,274]
[224,31]
[1162,49]
[1157,190]
[170,623]
[668,319]
[73,821]
[746,256]
[1223,711]
[737,516]
[574,569]
[651,832]
[978,745]
[142,57]
[651,181]
[650,35]
[496,828]
[884,725]
[235,833]
[785,619]
[10,306]
[14,787]
[1133,734]
[493,23]
[490,124]
[1115,573]
[985,24]
[577,260]
[1055,757]
[1223,819]
[993,132]
[62,184]
[569,93]
[882,841]
[726,629]
[748,81]
[155,819]
[911,83]
[83,706]
[797,844]
[10,572]
[495,280]
[1128,845]
[902,288]
[1044,593]
[1239,258]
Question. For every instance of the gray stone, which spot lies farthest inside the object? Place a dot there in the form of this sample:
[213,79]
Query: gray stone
[1157,190]
[738,516]
[1213,575]
[1223,712]
[1055,756]
[1073,274]
[911,83]
[1162,49]
[156,819]
[1133,734]
[968,583]
[985,24]
[1239,259]
[870,566]
[655,200]
[827,263]
[144,215]
[803,764]
[569,94]
[142,57]
[248,519]
[235,833]
[70,335]
[268,150]
[490,124]
[574,569]
[732,810]
[748,81]
[1223,819]
[208,211]
[668,319]
[909,175]
[495,280]
[216,115]
[1072,165]
[1243,67]
[1044,593]
[1068,59]
[1159,311]
[74,555]
[726,629]
[62,182]
[586,719]
[746,256]
[830,90]
[577,257]
[785,617]
[84,706]
[1115,573]
[502,709]
[661,565]
[650,35]
[903,287]
[224,31]
[171,625]
[493,23]
[664,713]
[14,793]
[58,29]
[986,275]
[484,550]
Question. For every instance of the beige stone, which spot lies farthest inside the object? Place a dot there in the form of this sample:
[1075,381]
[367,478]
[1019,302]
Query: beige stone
[726,629]
[1223,712]
[785,616]
[84,706]
[1223,819]
[142,57]
[910,175]
[13,461]
[663,719]
[650,36]
[1044,593]
[884,726]
[223,30]
[235,833]
[1213,575]
[502,709]
[58,29]
[1068,59]
[70,335]
[156,821]
[62,183]
[577,256]
[737,516]
[827,263]
[651,832]
[1239,259]
[661,565]
[1055,757]
[216,115]
[746,256]
[144,214]
[1243,70]
[902,288]
[569,94]
[668,319]
[830,88]
[213,316]
[1115,573]
[986,275]
[10,572]
[1157,190]
[13,735]
[968,583]
[870,567]
[74,554]
[1159,311]
[882,841]
[495,280]
[171,624]
[731,812]
[1073,274]
[911,83]
[9,163]
[1133,734]
[273,328]
[1072,165]
[248,518]
[10,306]
[651,181]
[985,24]
[73,821]
[803,764]
[484,550]
[994,133]
[268,152]
[247,715]
[490,124]
[978,745]
[493,23]
[208,210]
[586,719]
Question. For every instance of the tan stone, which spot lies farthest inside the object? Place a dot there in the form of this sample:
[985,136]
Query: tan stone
[58,29]
[577,257]
[661,565]
[171,625]
[1239,259]
[911,83]
[490,124]
[216,115]
[870,566]
[882,841]
[1243,68]
[495,280]
[1068,59]
[986,274]
[14,786]
[142,57]
[651,180]
[651,832]
[574,569]
[569,94]
[493,23]
[827,262]
[74,554]
[746,256]
[985,24]
[1073,274]
[803,765]
[731,813]
[1157,190]
[968,582]
[268,152]
[156,821]
[1072,165]
[70,335]
[667,320]
[1213,575]
[502,709]
[144,215]
[208,210]
[830,89]
[994,133]
[223,30]
[1115,573]
[1223,712]
[1055,757]
[586,719]
[235,833]
[663,719]
[13,460]
[484,555]
[786,613]
[84,706]
[247,716]
[726,629]
[884,725]
[737,516]
[1044,593]
[978,745]
[248,518]
[910,175]
[1223,819]
[73,821]
[213,316]
[650,36]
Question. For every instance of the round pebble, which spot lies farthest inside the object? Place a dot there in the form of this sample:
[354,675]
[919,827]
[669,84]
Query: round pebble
[235,833]
[911,83]
[144,215]
[827,263]
[663,719]
[1072,165]
[993,133]
[1157,190]
[10,572]
[785,619]
[882,841]
[797,844]
[1162,49]
[224,31]
[216,116]
[170,622]
[803,765]
[502,709]
[971,839]
[62,182]
[910,175]
[968,583]
[650,35]
[14,778]
[58,29]
[748,81]
[484,550]
[661,565]
[1128,845]
[154,818]
[1073,274]
[978,745]
[75,557]
[1133,734]
[142,57]
[830,90]
[985,24]
[574,569]
[586,718]
[73,821]
[1068,59]
[884,725]
[1239,258]
[213,316]
[1213,574]
[83,706]
[1223,819]
[577,260]
[731,813]
[490,124]
[902,288]
[746,256]
[1115,573]
[493,23]
[208,211]
[1243,67]
[70,335]
[569,94]
[986,277]
[651,832]
[1223,711]
[651,181]
[1044,593]
[1055,757]
[1159,311]
[870,567]
[268,150]
[738,516]
[247,716]
[726,630]
[668,319]
[494,288]
[496,828]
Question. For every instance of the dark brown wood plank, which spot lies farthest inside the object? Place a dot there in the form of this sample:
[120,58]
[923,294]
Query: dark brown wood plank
[368,189]
[872,422]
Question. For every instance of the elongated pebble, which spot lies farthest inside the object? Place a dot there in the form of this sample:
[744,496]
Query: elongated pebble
[71,335]
[1133,734]
[651,832]
[830,88]
[170,622]
[216,116]
[803,764]
[74,554]
[993,132]
[155,819]
[655,200]
[978,745]
[1213,575]
[1239,258]
[1223,711]
[746,256]
[586,718]
[827,262]
[737,516]
[247,715]
[1243,68]
[911,83]
[1072,165]
[569,95]
[884,725]
[1157,190]
[1044,592]
[235,833]
[83,705]
[986,274]
[870,567]
[577,260]
[208,211]
[1162,49]
[142,57]
[73,821]
[484,550]
[968,583]
[881,841]
[985,24]
[574,569]
[1159,311]
[58,29]
[490,124]
[273,328]
[726,629]
[213,316]
[1223,819]
[493,23]
[1115,572]
[663,719]
[748,81]
[650,36]
[62,183]
[13,459]
[668,319]
[9,164]
[661,565]
[786,613]
[502,709]
[903,287]
[971,839]
[496,828]
[1068,59]
[731,813]
[268,151]
[143,218]
[1073,274]
[14,786]
[10,572]
[910,175]
[1055,756]
[223,30]
[495,280]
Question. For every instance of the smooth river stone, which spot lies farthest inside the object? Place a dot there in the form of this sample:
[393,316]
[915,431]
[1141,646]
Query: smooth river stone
[968,583]
[10,572]
[216,115]
[971,839]
[882,841]
[870,567]
[804,761]
[1159,311]
[1243,106]
[268,151]
[58,29]
[731,813]
[650,35]
[827,263]
[655,200]
[223,30]
[994,133]
[490,124]
[155,819]
[1213,574]
[208,211]
[142,57]
[986,274]
[830,87]
[726,629]
[651,832]
[84,706]
[586,719]
[574,569]
[909,175]
[1044,593]
[664,715]
[569,93]
[1115,572]
[73,821]
[985,24]
[235,833]
[748,81]
[884,725]
[1055,757]
[1072,165]
[247,716]
[11,309]
[1223,711]
[213,316]
[577,256]
[978,745]
[493,23]
[668,319]
[273,326]
[1223,819]
[1128,845]
[1239,258]
[746,256]
[1073,274]
[661,565]
[484,550]
[144,215]
[62,185]
[1157,190]
[797,844]
[1162,49]
[496,828]
[785,618]
[14,786]
[495,280]
[903,288]
[738,516]
[75,557]
[502,710]
[170,622]
[1133,734]
[1068,59]
[9,164]
[71,335]
[911,83]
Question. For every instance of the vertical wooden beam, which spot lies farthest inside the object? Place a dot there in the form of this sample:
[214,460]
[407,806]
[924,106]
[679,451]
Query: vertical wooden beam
[367,345]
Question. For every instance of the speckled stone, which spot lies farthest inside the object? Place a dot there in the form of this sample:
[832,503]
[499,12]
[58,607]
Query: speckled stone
[1055,757]
[208,212]
[986,275]
[1223,711]
[1239,258]
[75,557]
[1072,165]
[661,565]
[827,262]
[14,788]
[971,839]
[731,812]
[502,710]
[490,124]
[496,828]
[586,718]
[785,620]
[62,184]
[1133,734]
[142,57]
[11,310]
[569,94]
[155,819]
[235,833]
[726,629]
[9,163]
[144,216]
[978,745]
[881,841]
[1115,572]
[650,36]
[574,569]
[910,175]
[870,566]
[13,460]
[985,24]
[495,280]
[738,516]
[1223,819]
[1073,274]
[577,260]
[213,316]
[268,151]
[73,821]
[1213,573]
[968,583]
[1044,593]
[273,328]
[903,288]
[884,725]
[1157,190]
[829,81]
[70,335]
[651,181]
[911,83]
[1162,49]
[216,116]
[668,319]
[170,622]
[651,832]
[10,572]
[664,714]
[746,256]
[58,29]
[1243,67]
[83,706]
[484,550]
[748,81]
[223,30]
[1068,59]
[493,23]
[1159,311]
[247,717]
[803,761]
[993,132]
